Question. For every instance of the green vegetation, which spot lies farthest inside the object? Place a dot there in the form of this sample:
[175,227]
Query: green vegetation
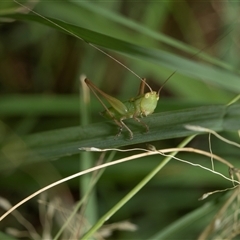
[45,117]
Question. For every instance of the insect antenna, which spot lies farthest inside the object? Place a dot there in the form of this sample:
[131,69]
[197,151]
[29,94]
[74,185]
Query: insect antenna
[90,44]
[160,89]
[114,59]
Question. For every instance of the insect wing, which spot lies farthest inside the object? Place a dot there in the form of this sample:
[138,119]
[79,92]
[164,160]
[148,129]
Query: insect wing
[115,103]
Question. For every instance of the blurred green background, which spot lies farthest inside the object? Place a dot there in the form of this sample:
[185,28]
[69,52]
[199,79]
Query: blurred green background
[40,91]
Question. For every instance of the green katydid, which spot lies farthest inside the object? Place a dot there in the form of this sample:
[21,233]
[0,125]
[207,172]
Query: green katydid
[142,105]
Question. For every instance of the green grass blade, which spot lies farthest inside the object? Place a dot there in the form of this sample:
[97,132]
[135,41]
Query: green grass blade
[134,191]
[64,142]
[210,74]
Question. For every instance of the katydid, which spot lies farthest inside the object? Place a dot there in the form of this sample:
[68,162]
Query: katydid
[142,105]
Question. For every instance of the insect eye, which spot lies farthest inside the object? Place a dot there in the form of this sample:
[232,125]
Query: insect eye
[147,95]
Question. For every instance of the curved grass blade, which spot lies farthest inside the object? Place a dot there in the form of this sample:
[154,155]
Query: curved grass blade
[200,71]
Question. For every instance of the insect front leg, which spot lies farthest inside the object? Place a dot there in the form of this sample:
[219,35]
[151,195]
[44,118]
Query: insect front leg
[130,132]
[142,123]
[122,125]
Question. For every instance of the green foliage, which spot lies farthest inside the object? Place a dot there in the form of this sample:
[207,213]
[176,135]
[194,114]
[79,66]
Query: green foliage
[40,110]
